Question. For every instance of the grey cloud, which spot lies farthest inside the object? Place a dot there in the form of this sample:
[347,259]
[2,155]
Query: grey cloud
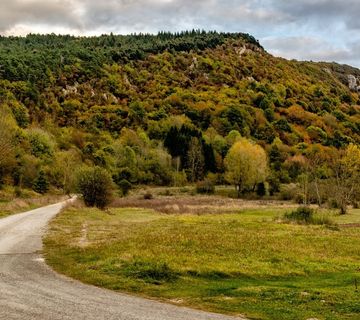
[162,15]
[330,11]
[36,12]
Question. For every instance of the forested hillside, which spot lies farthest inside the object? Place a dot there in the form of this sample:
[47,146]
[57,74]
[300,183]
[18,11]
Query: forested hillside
[166,109]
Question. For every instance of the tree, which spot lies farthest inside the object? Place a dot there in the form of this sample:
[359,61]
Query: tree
[246,165]
[7,154]
[95,185]
[346,177]
[261,189]
[42,144]
[125,186]
[66,162]
[41,183]
[195,159]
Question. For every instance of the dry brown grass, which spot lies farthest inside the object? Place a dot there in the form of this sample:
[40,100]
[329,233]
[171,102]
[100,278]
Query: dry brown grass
[17,205]
[197,204]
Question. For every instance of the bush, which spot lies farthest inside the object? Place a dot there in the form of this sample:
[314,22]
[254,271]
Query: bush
[125,186]
[95,185]
[148,196]
[306,215]
[206,187]
[301,214]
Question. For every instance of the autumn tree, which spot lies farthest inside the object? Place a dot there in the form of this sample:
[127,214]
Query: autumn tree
[246,165]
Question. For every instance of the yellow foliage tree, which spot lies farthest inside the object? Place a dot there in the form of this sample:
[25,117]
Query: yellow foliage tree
[246,165]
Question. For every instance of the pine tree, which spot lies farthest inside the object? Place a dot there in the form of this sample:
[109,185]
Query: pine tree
[41,184]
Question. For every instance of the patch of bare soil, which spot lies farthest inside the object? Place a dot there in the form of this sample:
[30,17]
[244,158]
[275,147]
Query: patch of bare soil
[350,225]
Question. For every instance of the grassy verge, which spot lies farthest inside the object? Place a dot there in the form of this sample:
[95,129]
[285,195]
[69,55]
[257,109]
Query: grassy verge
[238,263]
[10,204]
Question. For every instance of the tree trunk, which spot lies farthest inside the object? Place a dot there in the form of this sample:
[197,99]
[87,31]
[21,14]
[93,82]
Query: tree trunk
[318,193]
[343,209]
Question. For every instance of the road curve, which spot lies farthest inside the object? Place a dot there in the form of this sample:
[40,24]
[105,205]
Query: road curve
[29,289]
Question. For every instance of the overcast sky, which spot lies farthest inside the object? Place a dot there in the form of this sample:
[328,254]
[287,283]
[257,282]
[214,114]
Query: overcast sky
[301,29]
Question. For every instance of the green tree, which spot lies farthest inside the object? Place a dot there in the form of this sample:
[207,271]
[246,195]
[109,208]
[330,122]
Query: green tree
[95,186]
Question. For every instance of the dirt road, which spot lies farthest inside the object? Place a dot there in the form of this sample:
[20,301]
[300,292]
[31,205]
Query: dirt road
[29,289]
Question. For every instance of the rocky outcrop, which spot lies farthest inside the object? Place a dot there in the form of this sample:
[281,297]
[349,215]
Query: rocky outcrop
[354,83]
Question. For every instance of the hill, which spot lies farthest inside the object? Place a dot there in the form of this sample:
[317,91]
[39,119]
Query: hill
[138,105]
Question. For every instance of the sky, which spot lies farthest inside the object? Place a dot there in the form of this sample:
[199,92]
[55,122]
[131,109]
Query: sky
[318,30]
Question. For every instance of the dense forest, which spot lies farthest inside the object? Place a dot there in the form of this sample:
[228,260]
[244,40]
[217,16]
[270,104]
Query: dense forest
[166,109]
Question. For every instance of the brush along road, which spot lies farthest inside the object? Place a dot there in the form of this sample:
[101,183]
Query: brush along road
[29,289]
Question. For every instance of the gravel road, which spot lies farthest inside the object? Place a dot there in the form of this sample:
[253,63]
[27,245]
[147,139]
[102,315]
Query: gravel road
[29,289]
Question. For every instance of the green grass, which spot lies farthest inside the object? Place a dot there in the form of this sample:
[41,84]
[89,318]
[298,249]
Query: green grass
[245,263]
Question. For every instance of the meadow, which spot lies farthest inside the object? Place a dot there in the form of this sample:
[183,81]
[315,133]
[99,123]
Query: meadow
[243,261]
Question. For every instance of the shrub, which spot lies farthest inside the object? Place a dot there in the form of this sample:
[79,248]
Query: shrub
[206,187]
[125,186]
[148,196]
[306,215]
[301,214]
[95,185]
[41,184]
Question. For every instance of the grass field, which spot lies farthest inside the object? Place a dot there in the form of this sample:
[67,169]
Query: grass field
[245,262]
